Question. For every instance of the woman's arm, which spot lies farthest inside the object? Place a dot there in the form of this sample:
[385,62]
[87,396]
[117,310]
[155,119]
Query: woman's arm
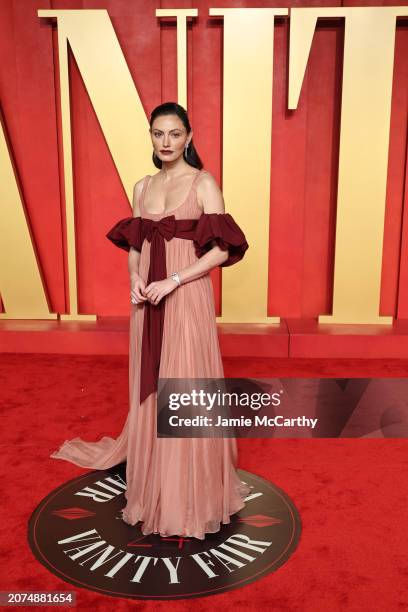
[133,264]
[211,200]
[137,284]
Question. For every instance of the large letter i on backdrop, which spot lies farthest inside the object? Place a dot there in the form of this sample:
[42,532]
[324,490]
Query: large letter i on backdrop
[364,139]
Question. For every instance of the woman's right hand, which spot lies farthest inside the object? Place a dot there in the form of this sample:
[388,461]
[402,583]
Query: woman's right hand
[137,287]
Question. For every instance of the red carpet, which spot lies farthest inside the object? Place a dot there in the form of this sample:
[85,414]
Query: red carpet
[352,495]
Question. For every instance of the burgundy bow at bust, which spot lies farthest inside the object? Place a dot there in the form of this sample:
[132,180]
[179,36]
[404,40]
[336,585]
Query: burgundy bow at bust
[153,323]
[166,227]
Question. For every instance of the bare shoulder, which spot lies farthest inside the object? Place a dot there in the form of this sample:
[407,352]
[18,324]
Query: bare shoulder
[207,181]
[209,194]
[137,192]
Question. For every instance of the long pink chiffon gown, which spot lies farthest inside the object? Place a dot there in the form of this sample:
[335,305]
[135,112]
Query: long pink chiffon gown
[175,486]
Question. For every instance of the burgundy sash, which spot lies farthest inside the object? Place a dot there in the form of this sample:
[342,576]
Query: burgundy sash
[132,231]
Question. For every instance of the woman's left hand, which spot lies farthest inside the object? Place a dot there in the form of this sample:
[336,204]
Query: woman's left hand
[156,290]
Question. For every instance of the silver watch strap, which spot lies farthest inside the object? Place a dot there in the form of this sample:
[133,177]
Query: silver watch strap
[176,278]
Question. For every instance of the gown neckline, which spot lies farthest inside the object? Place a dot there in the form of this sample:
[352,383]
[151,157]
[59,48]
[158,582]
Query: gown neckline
[167,212]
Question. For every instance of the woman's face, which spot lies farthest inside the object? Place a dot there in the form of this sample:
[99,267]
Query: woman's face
[169,137]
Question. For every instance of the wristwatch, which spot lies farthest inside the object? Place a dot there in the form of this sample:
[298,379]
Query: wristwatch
[176,278]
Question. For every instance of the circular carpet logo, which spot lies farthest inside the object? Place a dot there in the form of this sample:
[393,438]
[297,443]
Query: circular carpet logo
[78,534]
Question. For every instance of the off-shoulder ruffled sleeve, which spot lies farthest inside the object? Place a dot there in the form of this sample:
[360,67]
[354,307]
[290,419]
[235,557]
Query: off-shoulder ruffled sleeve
[222,228]
[126,233]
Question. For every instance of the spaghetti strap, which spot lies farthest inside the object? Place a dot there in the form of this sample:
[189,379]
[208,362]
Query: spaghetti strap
[196,177]
[193,187]
[142,195]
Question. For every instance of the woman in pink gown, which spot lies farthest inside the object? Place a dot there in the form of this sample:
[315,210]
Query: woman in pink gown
[175,486]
